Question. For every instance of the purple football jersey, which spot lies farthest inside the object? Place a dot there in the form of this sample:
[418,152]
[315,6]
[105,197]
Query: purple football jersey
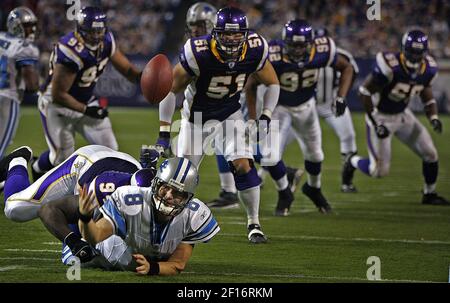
[398,84]
[71,52]
[107,182]
[298,81]
[217,87]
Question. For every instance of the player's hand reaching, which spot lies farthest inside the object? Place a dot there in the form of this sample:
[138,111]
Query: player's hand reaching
[96,112]
[149,156]
[338,106]
[382,131]
[437,125]
[86,204]
[263,125]
[144,267]
[164,143]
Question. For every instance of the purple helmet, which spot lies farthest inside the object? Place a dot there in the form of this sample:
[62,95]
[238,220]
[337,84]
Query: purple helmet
[298,37]
[91,25]
[414,48]
[143,177]
[230,32]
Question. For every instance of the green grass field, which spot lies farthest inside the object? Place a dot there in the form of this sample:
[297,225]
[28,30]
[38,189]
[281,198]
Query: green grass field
[385,219]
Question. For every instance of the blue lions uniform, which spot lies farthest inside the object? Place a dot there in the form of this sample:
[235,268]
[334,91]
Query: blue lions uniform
[217,88]
[87,64]
[298,81]
[399,85]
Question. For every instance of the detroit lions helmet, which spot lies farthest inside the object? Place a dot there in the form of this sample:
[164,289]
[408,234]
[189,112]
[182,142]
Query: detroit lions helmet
[174,186]
[91,25]
[230,32]
[414,49]
[298,37]
[22,23]
[143,177]
[200,19]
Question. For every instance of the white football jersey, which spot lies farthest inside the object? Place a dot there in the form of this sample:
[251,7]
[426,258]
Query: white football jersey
[130,211]
[14,53]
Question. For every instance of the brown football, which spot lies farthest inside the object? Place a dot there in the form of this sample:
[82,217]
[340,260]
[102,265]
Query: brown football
[156,80]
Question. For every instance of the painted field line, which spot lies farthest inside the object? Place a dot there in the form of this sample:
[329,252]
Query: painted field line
[300,276]
[31,250]
[52,243]
[347,239]
[27,258]
[12,267]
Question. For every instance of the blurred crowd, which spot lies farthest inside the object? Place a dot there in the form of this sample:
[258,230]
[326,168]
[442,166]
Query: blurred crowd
[141,26]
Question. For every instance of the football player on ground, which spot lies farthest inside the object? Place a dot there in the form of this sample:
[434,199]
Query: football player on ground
[102,168]
[326,92]
[296,60]
[215,68]
[67,104]
[396,78]
[148,230]
[18,60]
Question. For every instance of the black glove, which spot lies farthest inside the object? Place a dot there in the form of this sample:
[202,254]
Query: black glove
[96,112]
[80,248]
[339,106]
[149,156]
[437,125]
[382,131]
[263,125]
[163,143]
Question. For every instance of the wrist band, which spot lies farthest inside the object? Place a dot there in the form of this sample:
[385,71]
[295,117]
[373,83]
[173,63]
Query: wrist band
[164,128]
[430,102]
[267,112]
[434,117]
[364,91]
[83,218]
[154,269]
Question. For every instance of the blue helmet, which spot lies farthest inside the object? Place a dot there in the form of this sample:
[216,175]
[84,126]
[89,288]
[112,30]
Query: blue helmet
[414,48]
[143,177]
[22,23]
[298,37]
[230,32]
[91,25]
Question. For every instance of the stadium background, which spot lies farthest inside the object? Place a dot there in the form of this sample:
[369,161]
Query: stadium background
[144,28]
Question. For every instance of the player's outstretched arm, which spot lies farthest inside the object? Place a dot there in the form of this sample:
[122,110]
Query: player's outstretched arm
[173,266]
[431,110]
[93,231]
[125,67]
[268,77]
[347,72]
[62,81]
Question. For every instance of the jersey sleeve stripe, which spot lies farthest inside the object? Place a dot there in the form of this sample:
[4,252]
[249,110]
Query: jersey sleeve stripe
[384,67]
[332,52]
[265,54]
[113,44]
[190,58]
[350,58]
[70,54]
[205,237]
[26,61]
[204,231]
[112,214]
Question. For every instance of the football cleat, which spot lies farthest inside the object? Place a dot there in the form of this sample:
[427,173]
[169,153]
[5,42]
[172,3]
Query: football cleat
[255,234]
[347,175]
[226,200]
[294,176]
[24,152]
[316,196]
[285,199]
[434,199]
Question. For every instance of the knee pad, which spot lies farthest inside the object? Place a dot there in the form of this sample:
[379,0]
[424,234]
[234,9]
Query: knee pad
[315,156]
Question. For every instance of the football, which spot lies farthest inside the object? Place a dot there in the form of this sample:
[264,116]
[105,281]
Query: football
[156,80]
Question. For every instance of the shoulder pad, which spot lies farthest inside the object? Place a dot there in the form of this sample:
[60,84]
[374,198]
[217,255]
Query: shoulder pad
[128,200]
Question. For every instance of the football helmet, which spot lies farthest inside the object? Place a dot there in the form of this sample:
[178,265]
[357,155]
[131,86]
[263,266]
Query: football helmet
[200,19]
[22,23]
[174,186]
[143,177]
[91,26]
[230,32]
[298,37]
[414,48]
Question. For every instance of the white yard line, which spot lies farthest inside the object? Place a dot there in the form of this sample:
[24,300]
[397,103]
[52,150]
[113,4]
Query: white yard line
[12,267]
[52,243]
[300,276]
[346,239]
[28,258]
[31,250]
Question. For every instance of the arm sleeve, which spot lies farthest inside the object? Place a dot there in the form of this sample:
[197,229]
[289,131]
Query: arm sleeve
[382,73]
[68,57]
[27,55]
[271,96]
[203,226]
[265,54]
[167,108]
